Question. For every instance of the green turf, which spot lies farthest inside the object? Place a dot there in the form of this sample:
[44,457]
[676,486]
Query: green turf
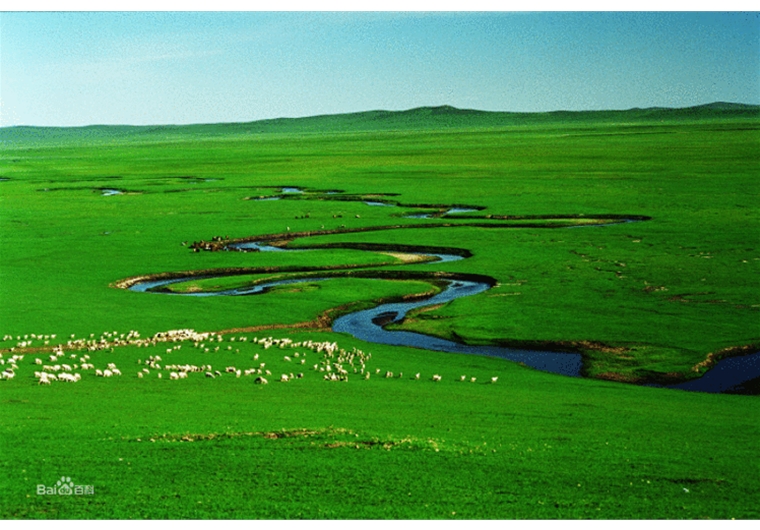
[641,301]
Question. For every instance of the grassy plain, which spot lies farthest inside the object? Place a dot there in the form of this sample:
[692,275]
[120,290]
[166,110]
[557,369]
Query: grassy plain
[654,297]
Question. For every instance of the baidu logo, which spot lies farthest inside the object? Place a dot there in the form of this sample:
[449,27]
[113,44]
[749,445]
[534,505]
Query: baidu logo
[65,487]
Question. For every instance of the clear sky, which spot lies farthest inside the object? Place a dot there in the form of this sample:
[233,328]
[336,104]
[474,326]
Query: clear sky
[80,68]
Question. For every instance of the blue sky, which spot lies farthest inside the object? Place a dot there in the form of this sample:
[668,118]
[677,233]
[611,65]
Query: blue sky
[80,68]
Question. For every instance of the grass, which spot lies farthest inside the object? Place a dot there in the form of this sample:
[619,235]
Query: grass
[642,301]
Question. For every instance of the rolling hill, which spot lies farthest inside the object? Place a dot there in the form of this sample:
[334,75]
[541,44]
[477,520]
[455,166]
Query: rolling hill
[422,118]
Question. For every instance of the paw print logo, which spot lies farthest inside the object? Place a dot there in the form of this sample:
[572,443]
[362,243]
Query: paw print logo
[65,486]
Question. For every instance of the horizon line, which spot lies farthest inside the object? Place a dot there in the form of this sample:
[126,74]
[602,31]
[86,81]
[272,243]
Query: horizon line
[310,116]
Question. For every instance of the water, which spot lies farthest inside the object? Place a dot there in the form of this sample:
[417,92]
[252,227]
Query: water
[378,203]
[292,190]
[447,212]
[418,216]
[107,192]
[727,375]
[446,257]
[363,324]
[366,325]
[255,245]
[143,287]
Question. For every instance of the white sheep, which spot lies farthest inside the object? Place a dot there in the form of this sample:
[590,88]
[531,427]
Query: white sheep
[260,381]
[494,379]
[436,377]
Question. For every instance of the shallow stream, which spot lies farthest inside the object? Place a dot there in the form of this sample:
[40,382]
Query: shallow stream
[728,375]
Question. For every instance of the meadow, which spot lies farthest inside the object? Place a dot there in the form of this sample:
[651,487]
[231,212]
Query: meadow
[658,300]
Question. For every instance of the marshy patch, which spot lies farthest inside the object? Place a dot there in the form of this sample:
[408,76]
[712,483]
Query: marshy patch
[320,439]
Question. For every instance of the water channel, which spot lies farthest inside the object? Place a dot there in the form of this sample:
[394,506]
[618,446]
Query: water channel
[728,375]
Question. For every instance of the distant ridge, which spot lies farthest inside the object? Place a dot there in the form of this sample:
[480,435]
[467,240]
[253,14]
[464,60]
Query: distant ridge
[420,118]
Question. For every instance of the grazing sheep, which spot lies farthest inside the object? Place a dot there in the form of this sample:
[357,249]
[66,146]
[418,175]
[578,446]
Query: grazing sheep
[436,378]
[284,378]
[38,361]
[473,379]
[160,376]
[174,375]
[260,381]
[209,374]
[140,375]
[417,376]
[107,373]
[494,379]
[462,378]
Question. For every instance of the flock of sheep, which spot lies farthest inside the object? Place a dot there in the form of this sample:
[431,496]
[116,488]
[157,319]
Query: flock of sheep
[332,362]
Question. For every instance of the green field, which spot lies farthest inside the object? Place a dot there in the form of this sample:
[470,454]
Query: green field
[656,300]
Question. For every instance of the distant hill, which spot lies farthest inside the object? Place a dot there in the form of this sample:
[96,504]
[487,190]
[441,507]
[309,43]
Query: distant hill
[422,118]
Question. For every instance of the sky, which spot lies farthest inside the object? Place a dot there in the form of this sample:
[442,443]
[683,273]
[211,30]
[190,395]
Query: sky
[147,68]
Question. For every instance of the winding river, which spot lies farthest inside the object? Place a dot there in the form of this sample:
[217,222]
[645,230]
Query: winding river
[728,375]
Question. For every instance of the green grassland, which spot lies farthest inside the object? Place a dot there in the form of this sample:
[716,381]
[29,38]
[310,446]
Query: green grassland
[641,301]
